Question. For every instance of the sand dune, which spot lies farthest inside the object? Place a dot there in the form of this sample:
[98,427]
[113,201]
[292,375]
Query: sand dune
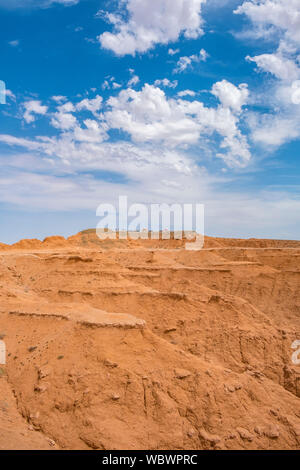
[144,345]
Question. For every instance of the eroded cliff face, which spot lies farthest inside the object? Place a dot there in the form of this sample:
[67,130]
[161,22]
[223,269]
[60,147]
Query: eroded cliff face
[144,345]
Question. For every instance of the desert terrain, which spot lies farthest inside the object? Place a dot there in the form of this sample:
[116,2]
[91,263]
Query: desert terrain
[144,345]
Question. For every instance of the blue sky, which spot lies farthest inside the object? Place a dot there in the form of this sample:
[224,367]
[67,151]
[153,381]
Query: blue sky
[163,101]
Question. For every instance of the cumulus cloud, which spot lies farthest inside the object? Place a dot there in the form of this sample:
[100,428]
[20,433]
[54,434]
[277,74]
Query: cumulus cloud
[173,51]
[165,82]
[186,93]
[59,98]
[92,105]
[63,118]
[151,23]
[134,80]
[283,68]
[156,158]
[284,20]
[110,83]
[187,61]
[63,121]
[91,131]
[279,20]
[32,108]
[116,85]
[231,96]
[149,117]
[280,15]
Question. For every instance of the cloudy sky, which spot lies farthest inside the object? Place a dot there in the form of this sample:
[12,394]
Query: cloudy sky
[162,100]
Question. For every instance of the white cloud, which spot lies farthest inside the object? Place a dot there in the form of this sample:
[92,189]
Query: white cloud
[278,20]
[149,116]
[283,18]
[143,164]
[282,68]
[63,121]
[10,95]
[187,61]
[165,82]
[274,131]
[295,92]
[14,43]
[150,173]
[151,23]
[105,85]
[92,105]
[173,51]
[159,157]
[283,15]
[92,132]
[116,85]
[32,108]
[110,83]
[186,93]
[231,96]
[17,141]
[133,81]
[59,98]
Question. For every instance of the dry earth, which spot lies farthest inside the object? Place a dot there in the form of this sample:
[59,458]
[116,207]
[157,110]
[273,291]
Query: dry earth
[144,345]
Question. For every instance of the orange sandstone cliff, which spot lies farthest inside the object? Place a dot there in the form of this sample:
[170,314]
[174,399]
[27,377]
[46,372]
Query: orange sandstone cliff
[144,345]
